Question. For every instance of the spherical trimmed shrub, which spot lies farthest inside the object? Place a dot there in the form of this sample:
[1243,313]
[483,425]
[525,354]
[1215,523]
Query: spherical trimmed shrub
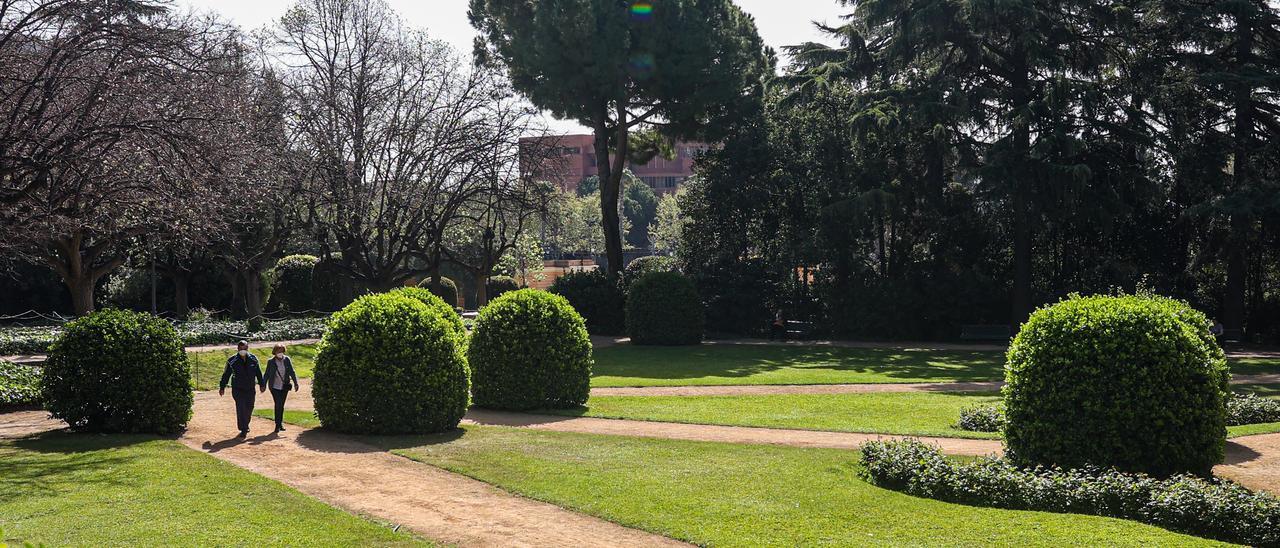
[390,364]
[294,282]
[1131,382]
[645,265]
[598,297]
[436,303]
[498,286]
[118,371]
[530,350]
[448,290]
[663,308]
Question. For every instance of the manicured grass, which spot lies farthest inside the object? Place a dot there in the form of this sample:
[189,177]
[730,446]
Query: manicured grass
[206,367]
[82,490]
[305,419]
[1260,390]
[1253,429]
[627,365]
[728,364]
[744,495]
[920,414]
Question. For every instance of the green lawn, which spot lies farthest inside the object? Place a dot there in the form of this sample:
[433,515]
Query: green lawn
[206,367]
[921,414]
[627,365]
[745,495]
[93,490]
[305,419]
[729,364]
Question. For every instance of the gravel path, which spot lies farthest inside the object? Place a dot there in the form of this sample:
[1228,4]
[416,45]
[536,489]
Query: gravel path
[440,505]
[1253,461]
[727,434]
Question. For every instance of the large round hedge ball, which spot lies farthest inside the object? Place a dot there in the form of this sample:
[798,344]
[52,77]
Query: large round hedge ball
[118,371]
[663,308]
[1131,382]
[390,364]
[645,265]
[434,302]
[598,296]
[530,350]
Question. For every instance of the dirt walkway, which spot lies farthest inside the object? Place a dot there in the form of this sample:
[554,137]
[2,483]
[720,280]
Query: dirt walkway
[368,480]
[727,434]
[20,424]
[1253,461]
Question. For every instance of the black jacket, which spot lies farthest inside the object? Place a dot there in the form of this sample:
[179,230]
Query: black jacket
[289,375]
[243,373]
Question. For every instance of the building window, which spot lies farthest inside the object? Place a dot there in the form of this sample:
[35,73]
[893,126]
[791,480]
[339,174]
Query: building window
[669,182]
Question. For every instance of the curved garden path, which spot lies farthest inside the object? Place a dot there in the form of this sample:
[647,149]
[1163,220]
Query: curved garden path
[364,479]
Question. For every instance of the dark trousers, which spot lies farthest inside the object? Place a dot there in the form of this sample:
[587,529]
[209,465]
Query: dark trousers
[777,332]
[279,396]
[244,407]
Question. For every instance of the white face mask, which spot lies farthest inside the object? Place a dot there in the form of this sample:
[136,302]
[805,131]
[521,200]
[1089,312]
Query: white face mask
[280,356]
[243,353]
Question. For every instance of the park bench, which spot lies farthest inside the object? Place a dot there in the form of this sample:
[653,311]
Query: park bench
[986,332]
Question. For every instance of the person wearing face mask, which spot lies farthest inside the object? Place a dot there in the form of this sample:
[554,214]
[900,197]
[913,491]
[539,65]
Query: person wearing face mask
[281,379]
[243,372]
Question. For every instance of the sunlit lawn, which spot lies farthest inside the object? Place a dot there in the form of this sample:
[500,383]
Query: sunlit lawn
[746,495]
[96,490]
[921,414]
[206,367]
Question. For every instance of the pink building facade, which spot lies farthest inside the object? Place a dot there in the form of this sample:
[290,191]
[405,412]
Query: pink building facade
[664,176]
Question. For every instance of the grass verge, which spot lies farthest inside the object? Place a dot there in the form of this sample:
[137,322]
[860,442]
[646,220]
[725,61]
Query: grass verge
[96,490]
[744,495]
[907,413]
[206,367]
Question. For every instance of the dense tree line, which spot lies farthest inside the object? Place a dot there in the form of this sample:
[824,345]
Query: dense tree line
[139,135]
[955,162]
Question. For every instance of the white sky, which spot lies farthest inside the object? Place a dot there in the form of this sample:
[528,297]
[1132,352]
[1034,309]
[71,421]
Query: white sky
[781,22]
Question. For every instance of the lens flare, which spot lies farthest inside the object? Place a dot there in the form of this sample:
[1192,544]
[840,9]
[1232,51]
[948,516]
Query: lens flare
[641,11]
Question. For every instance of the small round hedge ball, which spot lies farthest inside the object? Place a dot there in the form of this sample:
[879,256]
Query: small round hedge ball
[663,308]
[448,290]
[118,371]
[1130,382]
[530,350]
[390,364]
[434,302]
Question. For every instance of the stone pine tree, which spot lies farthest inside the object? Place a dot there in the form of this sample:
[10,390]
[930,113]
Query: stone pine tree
[616,66]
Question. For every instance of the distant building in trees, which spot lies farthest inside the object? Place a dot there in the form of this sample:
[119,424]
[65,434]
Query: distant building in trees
[662,175]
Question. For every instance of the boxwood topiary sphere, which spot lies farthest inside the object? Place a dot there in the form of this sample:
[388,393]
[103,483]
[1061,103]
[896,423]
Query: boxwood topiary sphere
[1131,382]
[118,371]
[498,286]
[598,296]
[645,265]
[448,290]
[390,364]
[294,280]
[530,350]
[436,303]
[663,308]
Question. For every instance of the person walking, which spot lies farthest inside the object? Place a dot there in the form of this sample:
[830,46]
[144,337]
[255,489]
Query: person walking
[281,379]
[244,374]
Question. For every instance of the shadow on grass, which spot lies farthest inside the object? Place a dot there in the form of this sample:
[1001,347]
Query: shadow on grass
[735,361]
[327,441]
[42,463]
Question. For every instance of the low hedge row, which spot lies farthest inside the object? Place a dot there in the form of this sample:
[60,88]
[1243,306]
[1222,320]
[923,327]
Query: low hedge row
[37,340]
[1250,409]
[1210,508]
[1242,409]
[19,385]
[981,418]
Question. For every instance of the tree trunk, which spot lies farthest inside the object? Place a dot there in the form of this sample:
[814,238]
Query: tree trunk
[610,183]
[1022,245]
[81,288]
[181,294]
[1233,302]
[238,309]
[482,290]
[252,280]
